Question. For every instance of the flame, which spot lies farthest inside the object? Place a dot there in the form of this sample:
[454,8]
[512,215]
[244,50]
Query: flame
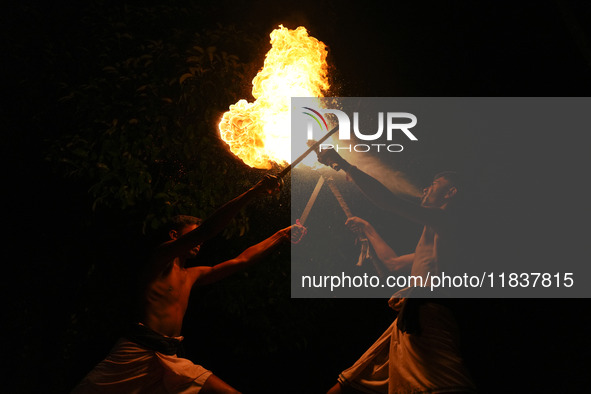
[259,132]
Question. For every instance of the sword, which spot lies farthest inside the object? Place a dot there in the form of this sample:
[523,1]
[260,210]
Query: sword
[366,254]
[311,201]
[312,147]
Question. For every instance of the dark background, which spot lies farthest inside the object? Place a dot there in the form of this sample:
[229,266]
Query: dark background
[254,336]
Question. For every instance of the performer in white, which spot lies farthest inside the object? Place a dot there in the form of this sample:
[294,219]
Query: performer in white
[419,352]
[145,359]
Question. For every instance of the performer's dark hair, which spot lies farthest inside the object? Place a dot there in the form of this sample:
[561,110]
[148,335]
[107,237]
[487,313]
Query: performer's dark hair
[464,196]
[452,177]
[179,221]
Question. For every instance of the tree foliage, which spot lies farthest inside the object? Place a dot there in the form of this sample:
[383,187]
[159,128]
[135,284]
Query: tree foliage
[141,128]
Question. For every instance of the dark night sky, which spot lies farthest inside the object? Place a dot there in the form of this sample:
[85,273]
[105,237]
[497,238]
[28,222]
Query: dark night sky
[434,49]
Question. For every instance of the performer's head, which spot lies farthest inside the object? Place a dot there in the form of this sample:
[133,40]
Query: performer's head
[180,225]
[442,191]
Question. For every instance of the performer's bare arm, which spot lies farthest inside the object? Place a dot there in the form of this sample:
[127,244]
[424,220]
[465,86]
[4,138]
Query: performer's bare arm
[211,226]
[199,276]
[385,253]
[382,196]
[385,199]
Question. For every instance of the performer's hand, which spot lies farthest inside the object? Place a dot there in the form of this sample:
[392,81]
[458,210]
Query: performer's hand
[297,232]
[356,224]
[329,157]
[269,184]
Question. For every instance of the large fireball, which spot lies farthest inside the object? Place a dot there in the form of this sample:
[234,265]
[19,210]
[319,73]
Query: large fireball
[259,132]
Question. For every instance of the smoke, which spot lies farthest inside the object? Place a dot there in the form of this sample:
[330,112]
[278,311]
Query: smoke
[394,180]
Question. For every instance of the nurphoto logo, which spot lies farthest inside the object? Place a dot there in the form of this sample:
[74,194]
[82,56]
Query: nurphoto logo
[396,122]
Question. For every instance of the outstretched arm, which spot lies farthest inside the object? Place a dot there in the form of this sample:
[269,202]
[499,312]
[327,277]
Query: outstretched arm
[385,253]
[380,195]
[205,275]
[216,222]
[385,199]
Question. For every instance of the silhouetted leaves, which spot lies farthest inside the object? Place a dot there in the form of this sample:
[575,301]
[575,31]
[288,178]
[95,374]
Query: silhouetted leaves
[143,122]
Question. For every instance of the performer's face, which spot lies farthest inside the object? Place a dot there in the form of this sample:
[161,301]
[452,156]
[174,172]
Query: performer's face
[188,228]
[436,194]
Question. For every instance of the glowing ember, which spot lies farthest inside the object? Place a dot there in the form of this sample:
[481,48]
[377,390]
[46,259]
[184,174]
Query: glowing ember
[259,132]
